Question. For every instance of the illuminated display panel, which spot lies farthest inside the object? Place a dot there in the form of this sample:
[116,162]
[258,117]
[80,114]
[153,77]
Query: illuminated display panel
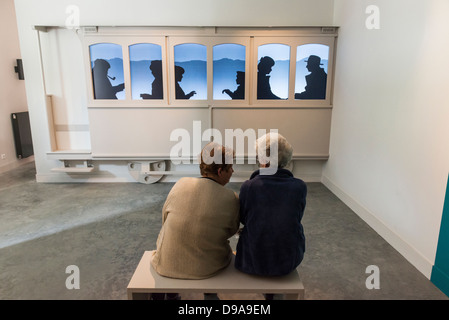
[145,61]
[311,71]
[107,71]
[190,71]
[222,70]
[273,69]
[229,71]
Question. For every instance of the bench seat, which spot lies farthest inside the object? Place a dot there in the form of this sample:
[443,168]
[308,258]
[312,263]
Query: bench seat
[146,280]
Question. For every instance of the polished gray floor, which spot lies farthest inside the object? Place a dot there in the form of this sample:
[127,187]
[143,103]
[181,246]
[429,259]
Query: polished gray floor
[103,229]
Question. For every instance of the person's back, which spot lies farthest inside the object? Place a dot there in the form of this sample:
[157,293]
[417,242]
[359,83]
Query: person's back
[199,217]
[272,241]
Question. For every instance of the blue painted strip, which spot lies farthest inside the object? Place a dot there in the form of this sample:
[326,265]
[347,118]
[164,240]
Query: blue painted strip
[440,271]
[440,279]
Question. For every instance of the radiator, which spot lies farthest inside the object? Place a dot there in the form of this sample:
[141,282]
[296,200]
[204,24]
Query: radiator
[22,134]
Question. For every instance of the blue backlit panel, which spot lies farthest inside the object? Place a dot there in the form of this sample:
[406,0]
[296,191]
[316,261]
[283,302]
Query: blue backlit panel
[190,71]
[107,71]
[273,70]
[229,71]
[145,61]
[311,71]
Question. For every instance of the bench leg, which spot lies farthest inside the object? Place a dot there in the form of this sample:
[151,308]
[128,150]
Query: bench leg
[141,296]
[294,296]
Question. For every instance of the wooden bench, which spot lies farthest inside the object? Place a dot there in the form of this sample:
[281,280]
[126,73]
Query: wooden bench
[146,281]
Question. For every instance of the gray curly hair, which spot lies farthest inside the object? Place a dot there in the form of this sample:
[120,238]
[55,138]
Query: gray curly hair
[274,143]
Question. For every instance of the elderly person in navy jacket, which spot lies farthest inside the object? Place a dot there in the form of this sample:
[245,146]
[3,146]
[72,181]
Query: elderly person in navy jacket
[272,241]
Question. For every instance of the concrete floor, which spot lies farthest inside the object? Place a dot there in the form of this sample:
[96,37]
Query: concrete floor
[105,228]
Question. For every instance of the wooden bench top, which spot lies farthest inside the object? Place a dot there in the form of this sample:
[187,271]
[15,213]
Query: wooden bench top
[230,280]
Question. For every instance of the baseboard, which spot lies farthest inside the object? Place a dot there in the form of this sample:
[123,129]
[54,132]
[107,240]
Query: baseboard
[108,177]
[440,279]
[105,178]
[16,164]
[80,178]
[406,250]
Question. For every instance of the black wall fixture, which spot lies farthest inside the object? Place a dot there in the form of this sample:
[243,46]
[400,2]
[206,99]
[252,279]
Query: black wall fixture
[22,134]
[19,69]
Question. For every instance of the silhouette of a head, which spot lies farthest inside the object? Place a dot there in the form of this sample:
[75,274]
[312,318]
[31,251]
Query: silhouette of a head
[156,67]
[240,77]
[313,62]
[265,64]
[101,65]
[179,71]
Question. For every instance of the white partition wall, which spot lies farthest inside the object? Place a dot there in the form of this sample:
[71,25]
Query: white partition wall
[389,152]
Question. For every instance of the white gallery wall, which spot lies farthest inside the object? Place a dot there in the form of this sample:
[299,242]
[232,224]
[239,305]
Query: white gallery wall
[12,90]
[389,153]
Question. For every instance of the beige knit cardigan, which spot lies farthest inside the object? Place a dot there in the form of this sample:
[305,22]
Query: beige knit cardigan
[198,218]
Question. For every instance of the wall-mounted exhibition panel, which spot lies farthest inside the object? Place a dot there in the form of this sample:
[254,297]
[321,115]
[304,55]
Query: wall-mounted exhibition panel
[212,66]
[125,70]
[293,71]
[145,86]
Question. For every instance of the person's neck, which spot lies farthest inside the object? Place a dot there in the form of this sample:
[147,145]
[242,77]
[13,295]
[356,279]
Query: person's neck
[212,177]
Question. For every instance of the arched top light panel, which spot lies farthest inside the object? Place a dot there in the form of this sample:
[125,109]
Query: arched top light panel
[190,71]
[229,71]
[145,62]
[311,71]
[273,69]
[107,71]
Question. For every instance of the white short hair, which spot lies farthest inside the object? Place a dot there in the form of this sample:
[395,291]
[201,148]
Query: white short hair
[284,149]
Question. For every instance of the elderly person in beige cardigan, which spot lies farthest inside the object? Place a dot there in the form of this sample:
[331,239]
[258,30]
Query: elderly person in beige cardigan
[198,218]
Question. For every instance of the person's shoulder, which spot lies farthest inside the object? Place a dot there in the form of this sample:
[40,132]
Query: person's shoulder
[231,195]
[222,194]
[248,183]
[299,183]
[187,181]
[228,191]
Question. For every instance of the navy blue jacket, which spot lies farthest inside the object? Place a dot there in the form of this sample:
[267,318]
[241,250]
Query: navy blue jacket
[272,241]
